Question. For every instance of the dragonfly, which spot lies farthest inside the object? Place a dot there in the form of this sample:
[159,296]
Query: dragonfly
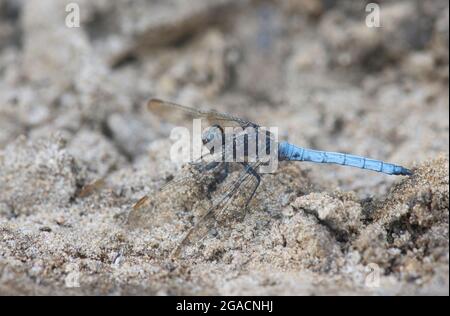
[212,171]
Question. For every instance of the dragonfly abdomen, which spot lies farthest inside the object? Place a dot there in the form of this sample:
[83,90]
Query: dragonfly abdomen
[291,152]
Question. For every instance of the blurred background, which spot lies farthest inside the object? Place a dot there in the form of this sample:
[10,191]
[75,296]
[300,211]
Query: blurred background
[78,148]
[314,68]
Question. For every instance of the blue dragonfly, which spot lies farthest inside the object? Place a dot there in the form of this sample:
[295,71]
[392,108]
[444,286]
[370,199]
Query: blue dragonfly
[212,171]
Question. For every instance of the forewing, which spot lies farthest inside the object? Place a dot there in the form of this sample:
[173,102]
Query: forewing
[177,113]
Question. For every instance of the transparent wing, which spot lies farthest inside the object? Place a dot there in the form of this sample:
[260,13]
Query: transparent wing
[237,193]
[90,188]
[197,181]
[176,113]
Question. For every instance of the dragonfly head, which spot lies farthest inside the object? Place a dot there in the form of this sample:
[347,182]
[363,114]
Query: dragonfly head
[213,138]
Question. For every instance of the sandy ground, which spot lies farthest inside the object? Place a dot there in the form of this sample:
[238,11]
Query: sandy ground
[78,149]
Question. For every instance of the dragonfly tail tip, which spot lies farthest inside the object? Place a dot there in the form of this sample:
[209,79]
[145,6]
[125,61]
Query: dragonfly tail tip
[405,172]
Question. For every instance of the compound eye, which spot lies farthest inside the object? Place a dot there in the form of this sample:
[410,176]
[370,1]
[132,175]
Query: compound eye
[210,135]
[207,137]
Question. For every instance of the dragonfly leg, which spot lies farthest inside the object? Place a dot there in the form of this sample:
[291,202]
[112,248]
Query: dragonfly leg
[219,177]
[226,170]
[253,172]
